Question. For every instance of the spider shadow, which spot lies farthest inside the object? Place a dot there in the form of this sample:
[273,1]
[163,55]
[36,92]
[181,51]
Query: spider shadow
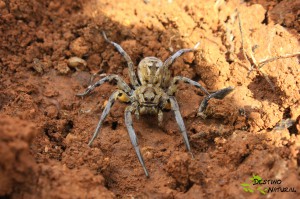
[263,91]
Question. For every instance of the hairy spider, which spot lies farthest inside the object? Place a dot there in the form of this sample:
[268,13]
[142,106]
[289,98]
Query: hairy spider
[151,93]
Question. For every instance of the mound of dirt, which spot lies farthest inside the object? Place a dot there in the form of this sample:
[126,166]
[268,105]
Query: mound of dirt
[22,177]
[17,164]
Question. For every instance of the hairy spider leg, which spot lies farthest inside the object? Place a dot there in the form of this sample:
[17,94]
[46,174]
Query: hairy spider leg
[219,94]
[175,81]
[120,82]
[105,112]
[132,75]
[171,59]
[132,135]
[179,120]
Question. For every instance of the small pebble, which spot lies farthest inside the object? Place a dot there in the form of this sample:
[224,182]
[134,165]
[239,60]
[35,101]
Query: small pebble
[77,63]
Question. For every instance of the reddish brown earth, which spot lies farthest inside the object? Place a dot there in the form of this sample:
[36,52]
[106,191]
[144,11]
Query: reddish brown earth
[45,128]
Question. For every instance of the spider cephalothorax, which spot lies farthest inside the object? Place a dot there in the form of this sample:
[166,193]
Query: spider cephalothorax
[151,93]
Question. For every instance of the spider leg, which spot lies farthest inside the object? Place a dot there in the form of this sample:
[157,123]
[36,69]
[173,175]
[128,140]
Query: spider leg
[219,94]
[121,84]
[132,75]
[179,120]
[171,59]
[106,110]
[132,135]
[175,81]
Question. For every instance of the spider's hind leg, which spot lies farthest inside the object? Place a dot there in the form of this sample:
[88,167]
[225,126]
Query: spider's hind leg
[219,94]
[175,81]
[133,138]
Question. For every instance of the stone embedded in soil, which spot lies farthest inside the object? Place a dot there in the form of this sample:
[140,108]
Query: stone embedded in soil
[77,63]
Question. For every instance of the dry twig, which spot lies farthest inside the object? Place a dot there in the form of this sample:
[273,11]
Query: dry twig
[254,64]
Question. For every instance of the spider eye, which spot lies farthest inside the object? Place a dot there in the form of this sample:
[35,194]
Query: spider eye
[152,98]
[120,94]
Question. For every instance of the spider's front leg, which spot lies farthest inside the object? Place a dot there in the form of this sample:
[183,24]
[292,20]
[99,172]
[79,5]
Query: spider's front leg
[132,135]
[171,59]
[164,71]
[120,82]
[132,75]
[179,120]
[117,94]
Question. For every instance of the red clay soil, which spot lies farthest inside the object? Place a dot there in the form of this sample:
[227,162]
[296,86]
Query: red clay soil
[45,128]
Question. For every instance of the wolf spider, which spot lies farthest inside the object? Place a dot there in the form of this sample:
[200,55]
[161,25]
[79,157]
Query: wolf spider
[151,93]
